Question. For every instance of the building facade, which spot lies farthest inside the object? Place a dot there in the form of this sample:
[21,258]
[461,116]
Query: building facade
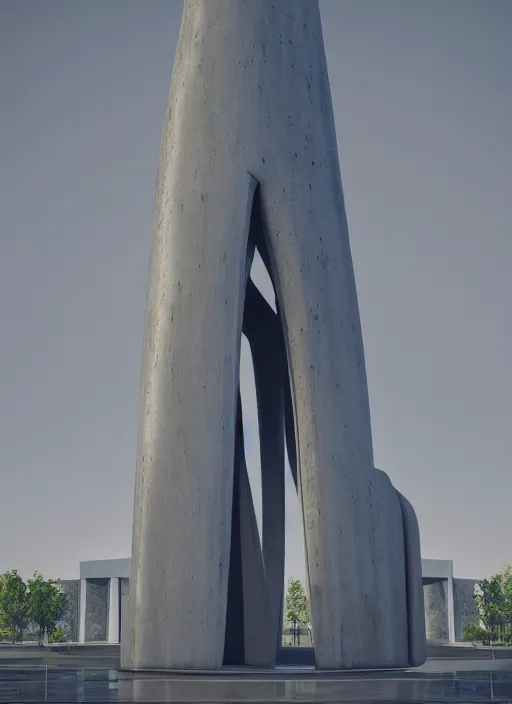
[98,601]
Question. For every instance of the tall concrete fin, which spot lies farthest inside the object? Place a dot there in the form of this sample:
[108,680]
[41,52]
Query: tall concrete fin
[259,646]
[182,524]
[248,639]
[234,643]
[352,519]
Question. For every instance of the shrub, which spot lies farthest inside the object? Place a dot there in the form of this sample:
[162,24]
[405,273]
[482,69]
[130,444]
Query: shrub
[475,633]
[58,636]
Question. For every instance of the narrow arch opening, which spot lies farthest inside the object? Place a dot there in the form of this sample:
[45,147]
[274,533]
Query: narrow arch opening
[295,560]
[267,534]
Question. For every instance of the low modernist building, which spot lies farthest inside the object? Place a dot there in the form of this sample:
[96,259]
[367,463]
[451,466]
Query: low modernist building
[98,601]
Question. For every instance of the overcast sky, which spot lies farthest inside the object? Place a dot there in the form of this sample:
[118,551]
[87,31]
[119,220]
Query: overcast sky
[422,95]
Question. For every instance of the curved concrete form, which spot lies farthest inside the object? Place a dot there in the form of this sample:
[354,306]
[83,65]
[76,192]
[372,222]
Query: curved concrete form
[250,113]
[414,577]
[248,639]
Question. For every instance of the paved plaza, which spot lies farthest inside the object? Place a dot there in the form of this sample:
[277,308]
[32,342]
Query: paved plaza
[91,674]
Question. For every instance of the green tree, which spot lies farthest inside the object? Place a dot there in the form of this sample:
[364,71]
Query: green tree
[490,601]
[47,604]
[507,592]
[13,605]
[297,607]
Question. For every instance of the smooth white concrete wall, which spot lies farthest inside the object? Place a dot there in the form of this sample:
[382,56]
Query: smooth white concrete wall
[104,569]
[451,611]
[437,569]
[113,611]
[82,611]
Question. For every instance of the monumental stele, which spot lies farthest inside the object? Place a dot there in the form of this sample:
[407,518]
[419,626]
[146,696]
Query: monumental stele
[248,161]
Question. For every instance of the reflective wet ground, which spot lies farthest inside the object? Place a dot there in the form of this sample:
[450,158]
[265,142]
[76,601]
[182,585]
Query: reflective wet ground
[438,681]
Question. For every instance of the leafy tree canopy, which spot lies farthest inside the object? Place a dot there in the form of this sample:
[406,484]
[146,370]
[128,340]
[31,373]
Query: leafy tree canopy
[47,603]
[489,600]
[297,607]
[494,601]
[14,606]
[507,591]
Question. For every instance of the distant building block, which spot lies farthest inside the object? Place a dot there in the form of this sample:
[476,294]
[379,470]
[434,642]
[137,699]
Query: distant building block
[432,572]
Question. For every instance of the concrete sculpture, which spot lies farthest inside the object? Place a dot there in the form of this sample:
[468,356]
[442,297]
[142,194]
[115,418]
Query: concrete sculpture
[249,161]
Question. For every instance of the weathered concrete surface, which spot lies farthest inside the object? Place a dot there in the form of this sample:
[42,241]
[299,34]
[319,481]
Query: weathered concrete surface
[436,610]
[69,621]
[250,104]
[386,618]
[96,617]
[464,605]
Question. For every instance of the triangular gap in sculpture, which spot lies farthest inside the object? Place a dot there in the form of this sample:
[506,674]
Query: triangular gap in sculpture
[254,605]
[256,575]
[260,599]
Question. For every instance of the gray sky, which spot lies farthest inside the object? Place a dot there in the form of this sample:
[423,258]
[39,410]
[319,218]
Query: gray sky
[423,101]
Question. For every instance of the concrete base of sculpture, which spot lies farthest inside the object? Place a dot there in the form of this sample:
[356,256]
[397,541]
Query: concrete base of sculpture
[248,160]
